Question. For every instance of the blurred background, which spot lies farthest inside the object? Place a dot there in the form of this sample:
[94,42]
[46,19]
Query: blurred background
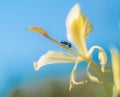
[19,47]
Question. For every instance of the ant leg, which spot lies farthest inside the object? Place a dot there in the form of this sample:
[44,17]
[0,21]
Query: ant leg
[69,45]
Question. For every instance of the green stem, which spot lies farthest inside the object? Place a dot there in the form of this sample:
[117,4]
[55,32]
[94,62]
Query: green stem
[100,75]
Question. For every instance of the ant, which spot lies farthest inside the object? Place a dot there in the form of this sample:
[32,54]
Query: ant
[67,44]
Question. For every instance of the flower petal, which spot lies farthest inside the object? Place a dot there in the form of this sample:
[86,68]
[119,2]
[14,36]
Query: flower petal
[39,30]
[73,77]
[78,28]
[91,77]
[102,57]
[116,69]
[53,57]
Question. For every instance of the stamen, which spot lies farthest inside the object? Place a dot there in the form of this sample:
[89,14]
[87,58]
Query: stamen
[44,33]
[62,45]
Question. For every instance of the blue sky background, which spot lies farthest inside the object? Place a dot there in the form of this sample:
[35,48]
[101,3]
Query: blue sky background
[19,47]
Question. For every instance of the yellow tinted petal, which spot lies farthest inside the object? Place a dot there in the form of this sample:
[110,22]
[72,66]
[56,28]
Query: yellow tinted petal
[91,77]
[78,28]
[116,69]
[73,78]
[53,57]
[101,55]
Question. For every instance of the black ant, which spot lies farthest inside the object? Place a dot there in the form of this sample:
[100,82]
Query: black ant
[67,44]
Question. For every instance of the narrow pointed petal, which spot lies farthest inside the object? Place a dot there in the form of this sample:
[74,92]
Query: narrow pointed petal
[78,28]
[53,57]
[39,30]
[91,77]
[116,70]
[102,57]
[73,77]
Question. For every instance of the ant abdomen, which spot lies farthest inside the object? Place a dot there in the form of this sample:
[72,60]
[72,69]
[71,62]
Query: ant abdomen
[67,44]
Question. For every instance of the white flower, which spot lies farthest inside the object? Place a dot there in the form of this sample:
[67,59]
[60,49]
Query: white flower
[78,28]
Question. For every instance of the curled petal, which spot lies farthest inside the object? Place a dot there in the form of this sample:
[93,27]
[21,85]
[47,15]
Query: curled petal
[73,77]
[78,28]
[102,57]
[116,69]
[91,77]
[53,57]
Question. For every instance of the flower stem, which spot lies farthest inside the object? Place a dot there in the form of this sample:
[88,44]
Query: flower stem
[100,75]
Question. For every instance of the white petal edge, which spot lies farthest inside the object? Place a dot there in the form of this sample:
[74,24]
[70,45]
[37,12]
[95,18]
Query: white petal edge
[73,14]
[52,57]
[101,55]
[73,77]
[78,28]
